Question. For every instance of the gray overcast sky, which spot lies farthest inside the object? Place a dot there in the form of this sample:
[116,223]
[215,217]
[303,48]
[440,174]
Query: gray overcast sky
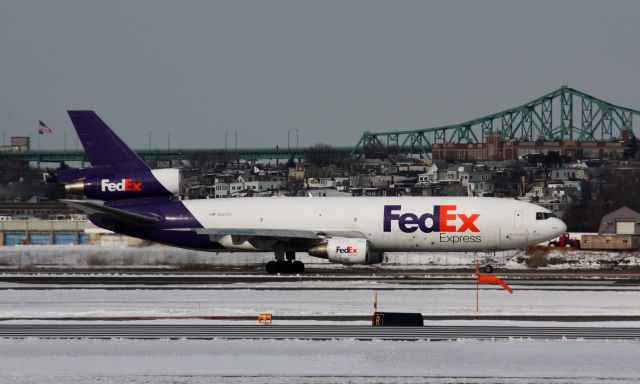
[331,69]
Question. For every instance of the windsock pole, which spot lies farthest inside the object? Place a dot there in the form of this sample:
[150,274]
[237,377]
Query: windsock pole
[487,279]
[475,314]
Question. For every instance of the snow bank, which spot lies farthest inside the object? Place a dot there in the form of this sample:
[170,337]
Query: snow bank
[272,361]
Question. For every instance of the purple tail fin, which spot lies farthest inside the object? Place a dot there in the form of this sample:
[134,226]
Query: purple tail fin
[103,147]
[116,172]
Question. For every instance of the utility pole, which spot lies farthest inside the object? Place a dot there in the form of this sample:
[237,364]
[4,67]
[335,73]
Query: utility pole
[288,146]
[168,140]
[226,147]
[149,140]
[238,159]
[297,139]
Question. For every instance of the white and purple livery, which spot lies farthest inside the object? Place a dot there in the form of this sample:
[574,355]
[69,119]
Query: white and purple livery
[126,196]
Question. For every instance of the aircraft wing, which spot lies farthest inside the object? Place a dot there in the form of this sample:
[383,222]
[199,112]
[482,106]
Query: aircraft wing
[254,232]
[97,207]
[293,234]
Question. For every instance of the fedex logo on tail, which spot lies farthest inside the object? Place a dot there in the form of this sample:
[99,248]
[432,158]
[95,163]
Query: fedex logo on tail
[443,219]
[126,185]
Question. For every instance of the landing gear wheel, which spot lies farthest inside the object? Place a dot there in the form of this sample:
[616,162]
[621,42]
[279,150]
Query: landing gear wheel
[298,267]
[271,267]
[285,266]
[487,268]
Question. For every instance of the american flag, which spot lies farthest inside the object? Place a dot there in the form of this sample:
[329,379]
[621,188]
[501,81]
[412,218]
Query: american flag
[43,129]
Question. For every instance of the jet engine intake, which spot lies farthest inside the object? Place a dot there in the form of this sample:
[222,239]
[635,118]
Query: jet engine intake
[345,250]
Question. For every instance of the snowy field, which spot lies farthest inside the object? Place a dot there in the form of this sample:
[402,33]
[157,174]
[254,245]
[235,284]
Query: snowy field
[344,361]
[446,300]
[297,361]
[247,361]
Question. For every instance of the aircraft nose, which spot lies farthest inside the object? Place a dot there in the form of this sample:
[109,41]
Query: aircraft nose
[559,227]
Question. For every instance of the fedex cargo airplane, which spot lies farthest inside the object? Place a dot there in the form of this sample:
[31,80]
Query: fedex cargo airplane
[124,195]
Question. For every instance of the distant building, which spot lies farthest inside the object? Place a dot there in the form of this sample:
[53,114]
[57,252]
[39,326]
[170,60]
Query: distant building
[17,144]
[411,166]
[263,185]
[497,149]
[568,174]
[429,177]
[619,230]
[623,221]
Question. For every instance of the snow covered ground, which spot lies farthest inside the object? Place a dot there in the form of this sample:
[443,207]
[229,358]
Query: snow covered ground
[270,361]
[300,361]
[244,301]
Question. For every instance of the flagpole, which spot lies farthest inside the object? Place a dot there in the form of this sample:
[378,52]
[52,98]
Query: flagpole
[38,141]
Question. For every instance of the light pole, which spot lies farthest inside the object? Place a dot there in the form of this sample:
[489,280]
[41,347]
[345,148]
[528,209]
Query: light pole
[168,140]
[149,140]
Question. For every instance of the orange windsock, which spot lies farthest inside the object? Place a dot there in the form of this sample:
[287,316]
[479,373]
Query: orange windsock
[495,280]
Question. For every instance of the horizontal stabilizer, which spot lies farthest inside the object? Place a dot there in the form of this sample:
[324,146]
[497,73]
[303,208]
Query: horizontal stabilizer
[71,174]
[96,207]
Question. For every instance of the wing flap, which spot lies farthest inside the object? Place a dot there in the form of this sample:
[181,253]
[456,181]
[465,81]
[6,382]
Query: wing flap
[254,232]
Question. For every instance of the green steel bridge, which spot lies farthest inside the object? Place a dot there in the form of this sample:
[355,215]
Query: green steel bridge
[564,114]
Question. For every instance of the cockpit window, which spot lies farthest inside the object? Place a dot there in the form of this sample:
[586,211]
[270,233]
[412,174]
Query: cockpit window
[544,215]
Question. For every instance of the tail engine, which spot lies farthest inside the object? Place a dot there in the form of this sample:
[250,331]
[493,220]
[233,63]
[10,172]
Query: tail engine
[122,185]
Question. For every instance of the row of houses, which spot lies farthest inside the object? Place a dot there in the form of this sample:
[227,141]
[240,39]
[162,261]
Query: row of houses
[503,179]
[237,186]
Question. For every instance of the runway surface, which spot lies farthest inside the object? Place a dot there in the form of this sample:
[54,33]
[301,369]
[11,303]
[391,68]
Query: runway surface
[310,332]
[265,282]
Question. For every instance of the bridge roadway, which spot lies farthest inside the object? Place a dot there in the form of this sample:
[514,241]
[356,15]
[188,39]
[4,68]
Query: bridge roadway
[280,153]
[309,332]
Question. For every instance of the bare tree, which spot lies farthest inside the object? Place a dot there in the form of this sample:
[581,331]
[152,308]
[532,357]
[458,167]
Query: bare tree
[323,155]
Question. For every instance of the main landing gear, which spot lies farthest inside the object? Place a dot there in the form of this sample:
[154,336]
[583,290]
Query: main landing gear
[280,265]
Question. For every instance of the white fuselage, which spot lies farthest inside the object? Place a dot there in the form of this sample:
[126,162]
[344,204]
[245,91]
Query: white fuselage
[391,223]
